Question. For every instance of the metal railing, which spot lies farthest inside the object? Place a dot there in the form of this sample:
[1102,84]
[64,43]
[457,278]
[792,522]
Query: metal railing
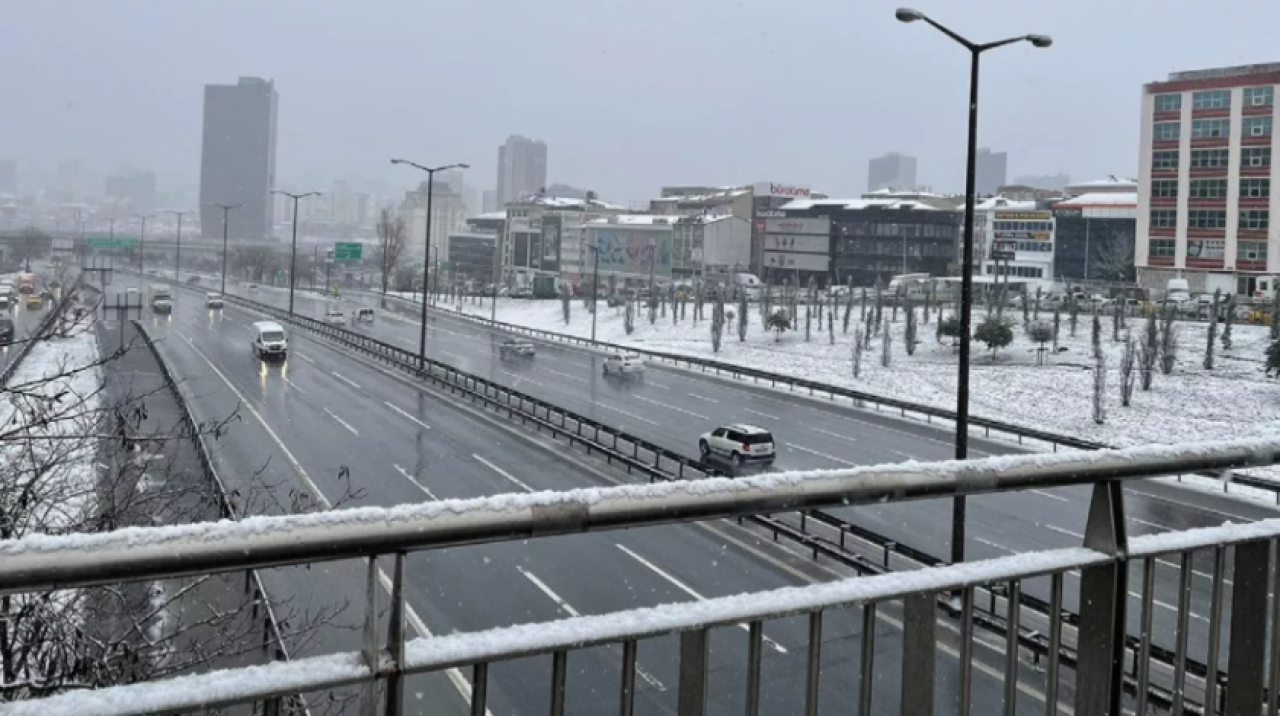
[40,563]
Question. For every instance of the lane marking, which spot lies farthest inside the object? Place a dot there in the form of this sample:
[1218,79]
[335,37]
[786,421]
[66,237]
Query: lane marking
[299,355]
[1152,525]
[504,473]
[342,422]
[703,397]
[562,375]
[454,356]
[989,543]
[811,451]
[1064,531]
[633,416]
[407,415]
[650,384]
[1050,495]
[688,590]
[455,675]
[295,386]
[837,436]
[519,378]
[415,482]
[651,401]
[763,415]
[345,379]
[568,609]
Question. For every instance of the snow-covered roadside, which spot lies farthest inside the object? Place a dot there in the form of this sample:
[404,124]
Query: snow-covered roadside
[1233,400]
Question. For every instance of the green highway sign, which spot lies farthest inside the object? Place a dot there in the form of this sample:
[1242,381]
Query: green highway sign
[347,251]
[110,242]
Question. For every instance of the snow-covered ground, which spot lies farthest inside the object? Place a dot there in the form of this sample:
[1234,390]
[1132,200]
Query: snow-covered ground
[1233,400]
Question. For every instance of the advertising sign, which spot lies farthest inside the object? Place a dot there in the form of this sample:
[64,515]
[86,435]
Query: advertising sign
[631,251]
[793,191]
[821,226]
[803,243]
[786,261]
[1003,249]
[1024,215]
[770,214]
[551,240]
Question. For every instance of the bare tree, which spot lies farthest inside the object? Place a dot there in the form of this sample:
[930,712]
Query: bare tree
[1112,261]
[1099,388]
[391,244]
[1126,371]
[256,263]
[31,243]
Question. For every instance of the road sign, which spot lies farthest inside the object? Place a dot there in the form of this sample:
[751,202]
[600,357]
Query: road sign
[416,265]
[110,242]
[347,251]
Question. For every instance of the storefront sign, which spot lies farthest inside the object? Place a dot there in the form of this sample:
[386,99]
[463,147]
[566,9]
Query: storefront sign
[820,226]
[765,188]
[1024,215]
[770,214]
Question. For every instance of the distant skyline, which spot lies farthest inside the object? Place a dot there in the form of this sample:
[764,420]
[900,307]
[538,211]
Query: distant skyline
[600,83]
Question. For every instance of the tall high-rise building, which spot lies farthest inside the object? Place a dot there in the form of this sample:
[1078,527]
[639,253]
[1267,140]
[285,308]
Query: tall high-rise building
[489,201]
[892,171]
[522,168]
[238,158]
[992,171]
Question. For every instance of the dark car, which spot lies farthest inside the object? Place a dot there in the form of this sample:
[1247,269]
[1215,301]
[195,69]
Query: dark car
[6,330]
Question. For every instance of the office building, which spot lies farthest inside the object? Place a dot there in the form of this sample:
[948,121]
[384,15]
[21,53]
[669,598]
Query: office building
[892,171]
[448,214]
[1205,179]
[992,171]
[1094,236]
[522,169]
[238,158]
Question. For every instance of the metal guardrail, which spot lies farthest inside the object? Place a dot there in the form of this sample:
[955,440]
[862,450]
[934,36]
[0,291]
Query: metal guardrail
[1102,563]
[227,510]
[42,331]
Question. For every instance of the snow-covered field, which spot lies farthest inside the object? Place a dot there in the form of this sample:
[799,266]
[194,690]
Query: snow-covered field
[1233,400]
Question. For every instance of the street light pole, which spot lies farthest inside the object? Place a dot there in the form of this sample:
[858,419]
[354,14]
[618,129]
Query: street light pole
[177,263]
[426,262]
[293,252]
[226,211]
[595,288]
[142,238]
[966,269]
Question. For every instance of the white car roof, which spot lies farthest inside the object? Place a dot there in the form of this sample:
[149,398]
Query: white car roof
[749,429]
[268,326]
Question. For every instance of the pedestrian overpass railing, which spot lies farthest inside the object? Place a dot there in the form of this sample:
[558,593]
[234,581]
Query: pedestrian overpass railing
[385,537]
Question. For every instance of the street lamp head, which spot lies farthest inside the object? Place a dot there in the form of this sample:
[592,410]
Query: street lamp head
[906,14]
[397,161]
[464,166]
[1040,40]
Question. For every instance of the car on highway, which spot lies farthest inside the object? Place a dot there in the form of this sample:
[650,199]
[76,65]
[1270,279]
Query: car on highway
[740,444]
[364,315]
[193,280]
[34,302]
[213,300]
[269,340]
[6,330]
[516,348]
[253,288]
[334,316]
[623,365]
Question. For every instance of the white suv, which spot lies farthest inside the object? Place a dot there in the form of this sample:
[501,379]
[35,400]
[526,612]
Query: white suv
[623,364]
[741,444]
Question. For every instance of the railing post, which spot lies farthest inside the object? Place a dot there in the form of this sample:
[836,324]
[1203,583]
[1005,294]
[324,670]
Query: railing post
[1103,597]
[395,640]
[369,692]
[1247,660]
[692,697]
[919,658]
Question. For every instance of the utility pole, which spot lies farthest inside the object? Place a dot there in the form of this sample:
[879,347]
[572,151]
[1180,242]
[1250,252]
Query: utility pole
[226,211]
[177,267]
[142,238]
[293,252]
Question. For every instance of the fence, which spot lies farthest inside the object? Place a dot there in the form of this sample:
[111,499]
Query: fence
[42,563]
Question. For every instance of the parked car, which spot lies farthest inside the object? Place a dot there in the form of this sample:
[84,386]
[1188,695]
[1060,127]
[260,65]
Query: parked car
[623,364]
[1094,301]
[515,348]
[740,444]
[213,300]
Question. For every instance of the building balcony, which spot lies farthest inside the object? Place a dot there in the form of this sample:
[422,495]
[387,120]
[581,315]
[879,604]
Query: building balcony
[1260,111]
[1199,233]
[1254,265]
[1163,231]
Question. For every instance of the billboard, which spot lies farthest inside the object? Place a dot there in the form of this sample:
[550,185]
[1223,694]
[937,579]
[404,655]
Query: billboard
[791,191]
[631,251]
[550,249]
[1003,249]
[787,261]
[802,243]
[1024,215]
[820,226]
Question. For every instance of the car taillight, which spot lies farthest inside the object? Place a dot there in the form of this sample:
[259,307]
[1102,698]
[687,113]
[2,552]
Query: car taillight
[746,447]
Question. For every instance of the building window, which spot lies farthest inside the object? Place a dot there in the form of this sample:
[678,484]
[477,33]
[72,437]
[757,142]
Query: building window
[1211,99]
[1164,218]
[1170,102]
[1035,246]
[1206,249]
[1019,271]
[1259,96]
[1256,219]
[1208,189]
[1251,251]
[1204,128]
[1207,219]
[1256,127]
[1210,158]
[1255,156]
[1254,188]
[1164,160]
[1164,189]
[1166,131]
[1163,247]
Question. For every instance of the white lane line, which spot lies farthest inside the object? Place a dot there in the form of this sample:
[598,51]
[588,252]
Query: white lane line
[1231,516]
[703,397]
[823,455]
[1061,530]
[568,609]
[650,384]
[989,543]
[763,415]
[687,589]
[1203,575]
[295,386]
[407,416]
[299,355]
[345,379]
[620,411]
[650,401]
[415,482]
[837,436]
[455,675]
[344,423]
[504,473]
[519,377]
[562,375]
[1152,525]
[1050,495]
[1170,607]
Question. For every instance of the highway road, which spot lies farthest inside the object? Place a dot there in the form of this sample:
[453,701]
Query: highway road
[671,406]
[307,419]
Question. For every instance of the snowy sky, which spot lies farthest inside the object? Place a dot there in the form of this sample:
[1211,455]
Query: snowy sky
[628,94]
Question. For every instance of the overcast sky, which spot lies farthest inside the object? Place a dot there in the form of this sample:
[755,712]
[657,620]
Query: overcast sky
[628,94]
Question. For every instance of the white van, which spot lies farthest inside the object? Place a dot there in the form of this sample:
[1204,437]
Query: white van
[269,340]
[364,315]
[334,316]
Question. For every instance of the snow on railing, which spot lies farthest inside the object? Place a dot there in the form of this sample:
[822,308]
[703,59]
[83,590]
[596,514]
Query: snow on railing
[40,562]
